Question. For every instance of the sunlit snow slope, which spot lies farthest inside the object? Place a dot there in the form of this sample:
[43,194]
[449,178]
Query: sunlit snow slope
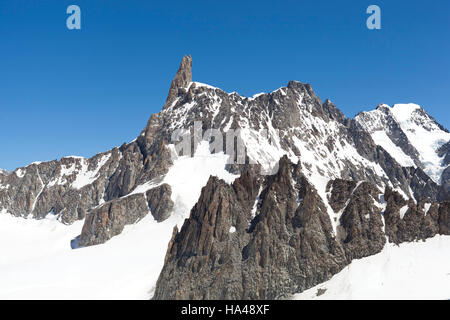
[417,270]
[37,261]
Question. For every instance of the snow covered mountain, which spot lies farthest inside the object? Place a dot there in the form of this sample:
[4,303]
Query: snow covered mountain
[313,191]
[411,136]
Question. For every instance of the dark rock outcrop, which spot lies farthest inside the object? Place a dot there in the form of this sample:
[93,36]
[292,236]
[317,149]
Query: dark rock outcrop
[159,202]
[408,221]
[109,219]
[360,223]
[181,80]
[238,244]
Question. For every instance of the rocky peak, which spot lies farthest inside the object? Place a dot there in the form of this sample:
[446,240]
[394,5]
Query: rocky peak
[229,250]
[181,80]
[333,112]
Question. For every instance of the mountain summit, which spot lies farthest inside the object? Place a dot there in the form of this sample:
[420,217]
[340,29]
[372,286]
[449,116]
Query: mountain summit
[182,79]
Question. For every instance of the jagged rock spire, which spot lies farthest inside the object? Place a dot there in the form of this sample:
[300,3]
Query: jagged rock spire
[181,79]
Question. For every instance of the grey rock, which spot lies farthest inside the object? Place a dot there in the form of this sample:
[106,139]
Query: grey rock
[108,220]
[361,226]
[160,202]
[415,224]
[76,188]
[181,80]
[287,247]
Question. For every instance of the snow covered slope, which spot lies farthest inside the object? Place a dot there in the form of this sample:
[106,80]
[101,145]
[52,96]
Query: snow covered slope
[409,134]
[382,139]
[37,260]
[424,134]
[417,270]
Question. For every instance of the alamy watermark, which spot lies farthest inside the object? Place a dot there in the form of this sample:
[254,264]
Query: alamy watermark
[74,20]
[374,20]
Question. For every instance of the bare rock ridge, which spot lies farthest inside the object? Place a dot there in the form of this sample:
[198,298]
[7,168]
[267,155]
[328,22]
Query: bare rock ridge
[108,220]
[286,247]
[181,80]
[360,226]
[342,189]
[238,244]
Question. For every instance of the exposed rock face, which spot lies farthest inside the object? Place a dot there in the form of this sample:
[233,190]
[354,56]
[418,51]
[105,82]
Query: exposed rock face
[408,221]
[68,187]
[182,79]
[360,223]
[444,152]
[241,244]
[382,119]
[159,202]
[223,252]
[444,218]
[73,186]
[328,145]
[110,218]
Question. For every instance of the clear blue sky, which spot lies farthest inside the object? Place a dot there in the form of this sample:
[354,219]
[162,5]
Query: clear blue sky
[84,91]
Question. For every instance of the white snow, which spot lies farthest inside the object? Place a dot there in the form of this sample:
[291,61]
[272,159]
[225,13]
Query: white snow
[37,261]
[66,171]
[40,192]
[199,84]
[255,204]
[258,95]
[189,175]
[424,135]
[417,270]
[146,186]
[320,165]
[382,139]
[85,176]
[20,173]
[403,112]
[427,207]
[232,229]
[421,131]
[403,210]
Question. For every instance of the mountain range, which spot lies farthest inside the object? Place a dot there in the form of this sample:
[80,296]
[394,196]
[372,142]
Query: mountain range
[314,190]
